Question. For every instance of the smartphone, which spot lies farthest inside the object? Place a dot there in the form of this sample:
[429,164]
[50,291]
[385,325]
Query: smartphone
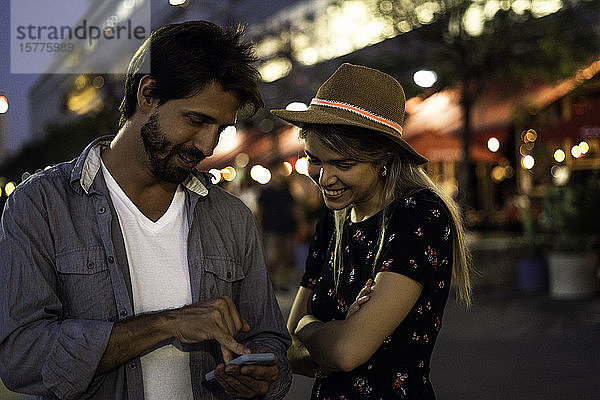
[246,359]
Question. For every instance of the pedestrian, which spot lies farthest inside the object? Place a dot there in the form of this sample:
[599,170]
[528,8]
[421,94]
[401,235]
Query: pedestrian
[125,273]
[370,305]
[278,215]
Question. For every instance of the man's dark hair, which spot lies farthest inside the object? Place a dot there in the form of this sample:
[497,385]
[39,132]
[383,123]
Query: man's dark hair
[185,57]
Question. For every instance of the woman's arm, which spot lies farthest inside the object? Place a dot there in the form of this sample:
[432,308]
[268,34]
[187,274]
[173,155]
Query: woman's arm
[297,354]
[344,345]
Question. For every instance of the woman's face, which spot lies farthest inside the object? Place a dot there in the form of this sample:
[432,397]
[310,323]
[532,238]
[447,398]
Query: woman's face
[344,181]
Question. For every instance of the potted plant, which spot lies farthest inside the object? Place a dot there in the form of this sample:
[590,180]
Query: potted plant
[571,214]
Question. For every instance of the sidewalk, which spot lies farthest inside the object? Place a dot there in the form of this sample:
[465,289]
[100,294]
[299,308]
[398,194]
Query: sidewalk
[512,345]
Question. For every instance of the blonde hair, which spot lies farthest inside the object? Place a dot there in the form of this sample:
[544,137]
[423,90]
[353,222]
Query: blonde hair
[403,178]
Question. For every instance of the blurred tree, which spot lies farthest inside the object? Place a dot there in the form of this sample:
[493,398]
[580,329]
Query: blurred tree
[475,45]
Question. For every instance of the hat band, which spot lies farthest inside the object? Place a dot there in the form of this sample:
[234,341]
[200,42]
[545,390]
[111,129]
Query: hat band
[360,111]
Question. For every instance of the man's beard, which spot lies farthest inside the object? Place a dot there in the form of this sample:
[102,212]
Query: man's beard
[162,153]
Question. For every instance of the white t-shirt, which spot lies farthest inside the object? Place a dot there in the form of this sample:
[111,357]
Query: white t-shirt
[157,257]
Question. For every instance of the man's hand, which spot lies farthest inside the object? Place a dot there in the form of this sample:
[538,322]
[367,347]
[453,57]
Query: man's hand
[216,319]
[247,380]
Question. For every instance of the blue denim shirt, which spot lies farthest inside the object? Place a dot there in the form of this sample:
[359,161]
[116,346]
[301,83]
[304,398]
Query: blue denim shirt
[65,282]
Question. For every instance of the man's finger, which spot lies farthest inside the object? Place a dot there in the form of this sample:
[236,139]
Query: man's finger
[226,353]
[228,343]
[238,322]
[232,322]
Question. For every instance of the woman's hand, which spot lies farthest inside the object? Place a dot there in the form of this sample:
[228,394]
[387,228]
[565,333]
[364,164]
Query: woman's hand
[361,298]
[343,345]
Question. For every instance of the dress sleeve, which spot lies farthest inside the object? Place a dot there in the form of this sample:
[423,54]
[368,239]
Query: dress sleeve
[318,251]
[418,239]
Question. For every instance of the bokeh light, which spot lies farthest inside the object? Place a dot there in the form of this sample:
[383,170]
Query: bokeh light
[3,104]
[302,166]
[228,173]
[530,135]
[559,155]
[425,78]
[242,160]
[260,174]
[493,144]
[525,148]
[98,82]
[228,140]
[296,106]
[216,175]
[501,172]
[287,168]
[560,174]
[498,174]
[9,188]
[528,162]
[275,69]
[228,133]
[473,20]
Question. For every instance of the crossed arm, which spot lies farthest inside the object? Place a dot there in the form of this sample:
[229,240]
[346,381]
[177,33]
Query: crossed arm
[342,345]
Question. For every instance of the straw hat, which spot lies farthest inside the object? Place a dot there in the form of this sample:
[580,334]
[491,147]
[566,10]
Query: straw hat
[358,96]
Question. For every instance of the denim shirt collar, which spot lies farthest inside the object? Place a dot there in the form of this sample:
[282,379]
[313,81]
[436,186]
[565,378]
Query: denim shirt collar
[88,164]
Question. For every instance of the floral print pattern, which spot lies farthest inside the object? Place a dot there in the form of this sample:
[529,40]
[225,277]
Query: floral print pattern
[418,245]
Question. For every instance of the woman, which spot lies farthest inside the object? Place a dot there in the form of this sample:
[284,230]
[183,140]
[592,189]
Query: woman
[389,231]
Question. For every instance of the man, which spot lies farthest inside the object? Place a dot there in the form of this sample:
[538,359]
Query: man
[125,273]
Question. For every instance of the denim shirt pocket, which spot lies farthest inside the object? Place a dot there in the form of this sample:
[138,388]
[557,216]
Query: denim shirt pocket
[85,288]
[220,275]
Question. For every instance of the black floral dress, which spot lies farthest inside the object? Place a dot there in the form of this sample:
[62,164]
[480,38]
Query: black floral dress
[417,244]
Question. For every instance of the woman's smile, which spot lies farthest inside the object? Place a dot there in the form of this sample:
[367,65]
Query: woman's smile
[333,194]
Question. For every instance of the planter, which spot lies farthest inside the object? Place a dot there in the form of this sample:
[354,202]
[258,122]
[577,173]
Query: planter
[533,275]
[572,275]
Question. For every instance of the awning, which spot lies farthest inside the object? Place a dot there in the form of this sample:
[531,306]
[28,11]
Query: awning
[583,126]
[449,148]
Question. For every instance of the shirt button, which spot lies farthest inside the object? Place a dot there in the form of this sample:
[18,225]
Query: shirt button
[90,265]
[123,312]
[102,210]
[111,259]
[132,365]
[228,275]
